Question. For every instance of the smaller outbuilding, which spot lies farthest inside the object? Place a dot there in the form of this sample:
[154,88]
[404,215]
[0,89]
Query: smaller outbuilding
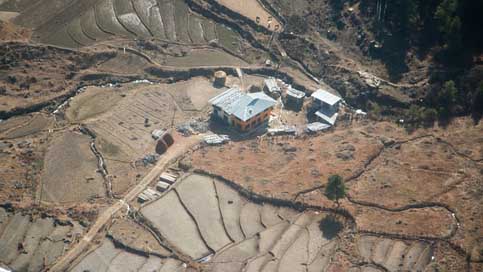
[220,79]
[271,87]
[327,106]
[294,99]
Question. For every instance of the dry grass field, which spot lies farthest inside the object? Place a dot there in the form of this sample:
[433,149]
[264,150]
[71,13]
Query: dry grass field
[253,10]
[70,170]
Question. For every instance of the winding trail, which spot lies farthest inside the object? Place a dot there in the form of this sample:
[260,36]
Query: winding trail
[179,148]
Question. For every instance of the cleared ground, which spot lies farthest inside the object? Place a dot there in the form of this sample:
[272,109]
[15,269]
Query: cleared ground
[203,216]
[255,12]
[109,258]
[70,170]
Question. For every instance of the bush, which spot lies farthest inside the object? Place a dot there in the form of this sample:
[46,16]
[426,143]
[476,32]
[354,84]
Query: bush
[297,24]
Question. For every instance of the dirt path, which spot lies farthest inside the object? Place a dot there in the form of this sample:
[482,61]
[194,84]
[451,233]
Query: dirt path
[178,149]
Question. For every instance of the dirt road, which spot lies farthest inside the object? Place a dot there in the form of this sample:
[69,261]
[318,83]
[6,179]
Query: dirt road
[179,148]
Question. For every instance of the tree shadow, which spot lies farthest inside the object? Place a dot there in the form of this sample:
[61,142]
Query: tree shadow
[330,226]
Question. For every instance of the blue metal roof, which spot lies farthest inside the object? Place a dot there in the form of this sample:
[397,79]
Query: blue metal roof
[241,105]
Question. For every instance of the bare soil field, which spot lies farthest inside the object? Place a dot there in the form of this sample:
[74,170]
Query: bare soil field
[136,237]
[70,170]
[92,102]
[30,243]
[255,12]
[204,57]
[420,176]
[203,216]
[109,258]
[124,117]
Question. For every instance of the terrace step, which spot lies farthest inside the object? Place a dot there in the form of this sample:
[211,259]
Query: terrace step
[269,215]
[176,225]
[172,265]
[181,15]
[151,264]
[232,258]
[49,249]
[196,29]
[230,204]
[99,260]
[107,19]
[126,261]
[296,257]
[166,8]
[424,259]
[394,257]
[198,194]
[4,218]
[250,220]
[75,31]
[209,30]
[380,251]
[129,19]
[12,235]
[39,229]
[412,256]
[148,12]
[90,27]
[290,235]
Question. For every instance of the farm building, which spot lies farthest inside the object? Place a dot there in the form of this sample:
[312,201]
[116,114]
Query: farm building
[327,106]
[241,110]
[294,99]
[271,87]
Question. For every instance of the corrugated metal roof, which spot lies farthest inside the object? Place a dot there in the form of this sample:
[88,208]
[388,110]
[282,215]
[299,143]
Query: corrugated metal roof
[329,119]
[295,93]
[228,99]
[317,126]
[326,97]
[252,105]
[243,106]
[272,85]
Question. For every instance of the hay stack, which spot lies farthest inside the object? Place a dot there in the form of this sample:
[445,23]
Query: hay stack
[220,79]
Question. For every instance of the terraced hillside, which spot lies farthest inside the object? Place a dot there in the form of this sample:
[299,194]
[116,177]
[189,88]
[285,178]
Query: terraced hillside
[29,244]
[83,23]
[203,217]
[109,258]
[395,255]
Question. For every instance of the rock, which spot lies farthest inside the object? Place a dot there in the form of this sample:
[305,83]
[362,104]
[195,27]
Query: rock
[185,164]
[345,155]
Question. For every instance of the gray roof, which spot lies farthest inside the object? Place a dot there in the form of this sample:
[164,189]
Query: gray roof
[272,85]
[243,106]
[228,100]
[326,97]
[330,119]
[295,93]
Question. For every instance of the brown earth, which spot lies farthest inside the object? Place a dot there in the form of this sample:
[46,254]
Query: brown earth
[416,177]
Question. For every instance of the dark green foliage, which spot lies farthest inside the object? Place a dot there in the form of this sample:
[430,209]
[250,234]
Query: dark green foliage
[297,24]
[446,99]
[330,226]
[449,23]
[335,189]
